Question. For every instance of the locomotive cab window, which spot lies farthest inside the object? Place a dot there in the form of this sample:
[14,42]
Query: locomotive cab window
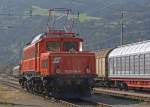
[70,46]
[53,46]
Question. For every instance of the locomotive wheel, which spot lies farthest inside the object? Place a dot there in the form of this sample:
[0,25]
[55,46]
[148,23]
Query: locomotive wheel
[33,86]
[122,86]
[29,86]
[125,86]
[39,88]
[107,84]
[22,84]
[45,88]
[26,86]
[33,89]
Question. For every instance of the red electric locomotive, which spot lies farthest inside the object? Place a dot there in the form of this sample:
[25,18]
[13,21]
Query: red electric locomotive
[54,64]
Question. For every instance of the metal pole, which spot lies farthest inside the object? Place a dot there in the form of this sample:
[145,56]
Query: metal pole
[122,28]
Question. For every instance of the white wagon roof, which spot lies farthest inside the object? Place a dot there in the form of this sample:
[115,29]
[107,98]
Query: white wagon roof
[135,48]
[37,38]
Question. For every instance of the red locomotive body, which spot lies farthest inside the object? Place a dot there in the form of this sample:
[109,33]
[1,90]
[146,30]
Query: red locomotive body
[54,64]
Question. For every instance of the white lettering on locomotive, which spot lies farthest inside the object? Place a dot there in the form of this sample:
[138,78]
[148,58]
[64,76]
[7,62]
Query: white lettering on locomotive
[56,60]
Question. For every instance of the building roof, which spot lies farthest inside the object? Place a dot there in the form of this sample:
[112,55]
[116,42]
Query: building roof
[130,49]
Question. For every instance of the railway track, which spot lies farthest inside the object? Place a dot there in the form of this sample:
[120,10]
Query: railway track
[125,94]
[88,102]
[12,82]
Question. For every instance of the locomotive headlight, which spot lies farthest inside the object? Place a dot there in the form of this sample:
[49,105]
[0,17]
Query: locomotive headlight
[88,70]
[58,71]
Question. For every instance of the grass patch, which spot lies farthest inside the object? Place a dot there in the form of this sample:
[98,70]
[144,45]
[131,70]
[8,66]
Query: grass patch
[84,17]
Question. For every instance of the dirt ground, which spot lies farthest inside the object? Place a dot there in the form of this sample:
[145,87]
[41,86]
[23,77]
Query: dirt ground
[10,97]
[14,98]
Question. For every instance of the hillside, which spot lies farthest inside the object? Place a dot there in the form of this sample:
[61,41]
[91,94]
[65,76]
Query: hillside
[99,21]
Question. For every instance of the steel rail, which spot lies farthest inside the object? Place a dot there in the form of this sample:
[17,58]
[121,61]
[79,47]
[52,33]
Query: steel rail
[97,104]
[123,94]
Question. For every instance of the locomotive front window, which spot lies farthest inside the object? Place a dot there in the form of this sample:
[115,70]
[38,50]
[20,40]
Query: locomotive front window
[53,46]
[70,46]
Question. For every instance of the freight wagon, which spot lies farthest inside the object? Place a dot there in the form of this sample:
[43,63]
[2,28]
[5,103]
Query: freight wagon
[124,67]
